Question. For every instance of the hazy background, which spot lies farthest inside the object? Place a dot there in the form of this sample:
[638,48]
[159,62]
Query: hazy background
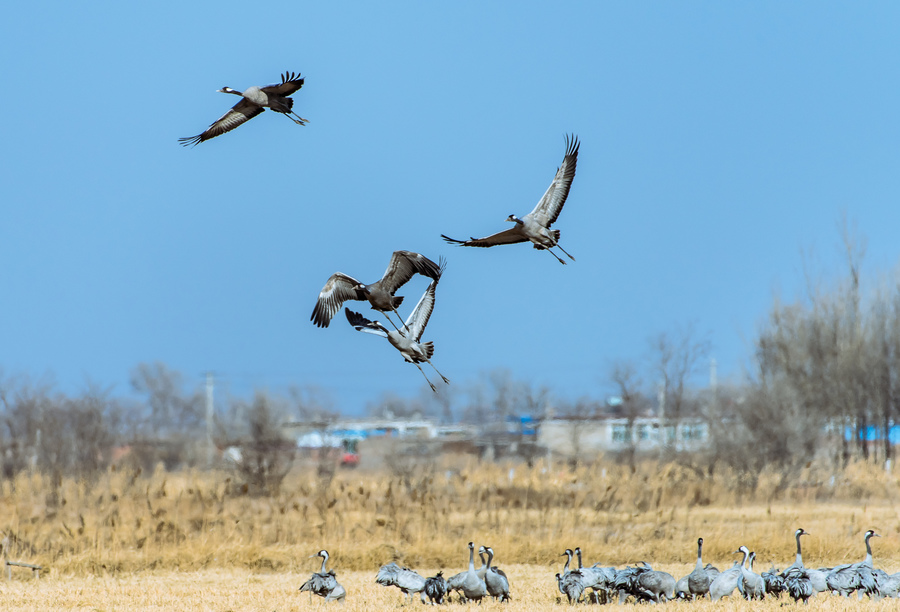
[720,146]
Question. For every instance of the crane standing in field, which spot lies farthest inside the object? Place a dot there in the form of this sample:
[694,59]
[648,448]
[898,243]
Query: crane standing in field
[324,583]
[535,226]
[254,101]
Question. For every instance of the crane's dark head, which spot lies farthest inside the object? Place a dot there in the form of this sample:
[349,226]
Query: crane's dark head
[512,219]
[800,532]
[361,287]
[699,541]
[228,90]
[871,534]
[568,553]
[321,553]
[482,550]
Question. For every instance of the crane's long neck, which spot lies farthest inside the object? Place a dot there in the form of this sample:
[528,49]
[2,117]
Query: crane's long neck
[799,560]
[490,554]
[568,560]
[324,561]
[744,560]
[868,560]
[484,563]
[578,552]
[700,555]
[471,559]
[750,562]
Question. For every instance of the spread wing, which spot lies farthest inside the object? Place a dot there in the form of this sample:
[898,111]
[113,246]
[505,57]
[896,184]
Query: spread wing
[240,113]
[336,291]
[421,313]
[548,209]
[290,83]
[510,236]
[403,265]
[360,323]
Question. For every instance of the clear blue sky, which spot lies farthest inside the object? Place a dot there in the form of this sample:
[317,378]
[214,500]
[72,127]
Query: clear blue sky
[719,140]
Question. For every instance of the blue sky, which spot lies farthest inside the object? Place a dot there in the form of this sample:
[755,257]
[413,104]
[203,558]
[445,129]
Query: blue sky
[719,142]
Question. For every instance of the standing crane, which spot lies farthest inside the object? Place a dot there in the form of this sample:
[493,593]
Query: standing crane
[324,583]
[407,340]
[473,586]
[254,101]
[698,580]
[495,578]
[535,226]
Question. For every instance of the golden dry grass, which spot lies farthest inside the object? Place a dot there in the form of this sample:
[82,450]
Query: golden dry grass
[199,541]
[242,590]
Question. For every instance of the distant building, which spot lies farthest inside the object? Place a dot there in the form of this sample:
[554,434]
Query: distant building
[571,435]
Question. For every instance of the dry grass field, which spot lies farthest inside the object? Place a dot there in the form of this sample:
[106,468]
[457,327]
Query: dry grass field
[201,541]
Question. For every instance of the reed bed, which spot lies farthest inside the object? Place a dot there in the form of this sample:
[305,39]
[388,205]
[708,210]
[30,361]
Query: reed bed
[422,516]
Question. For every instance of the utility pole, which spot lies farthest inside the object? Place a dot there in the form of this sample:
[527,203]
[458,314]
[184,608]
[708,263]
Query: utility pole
[210,448]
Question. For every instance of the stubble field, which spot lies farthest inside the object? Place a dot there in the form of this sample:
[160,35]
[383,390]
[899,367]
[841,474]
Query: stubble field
[200,541]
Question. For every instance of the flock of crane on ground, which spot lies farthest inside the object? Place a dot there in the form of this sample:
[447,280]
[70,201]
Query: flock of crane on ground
[641,581]
[406,338]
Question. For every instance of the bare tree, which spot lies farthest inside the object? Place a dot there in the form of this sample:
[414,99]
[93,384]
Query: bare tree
[676,358]
[266,455]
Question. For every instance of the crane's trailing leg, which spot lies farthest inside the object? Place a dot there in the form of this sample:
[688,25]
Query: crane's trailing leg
[558,258]
[446,380]
[299,120]
[564,251]
[433,388]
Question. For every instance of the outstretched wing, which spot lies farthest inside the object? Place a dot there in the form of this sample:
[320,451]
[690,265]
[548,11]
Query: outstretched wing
[336,291]
[403,265]
[364,325]
[240,113]
[417,321]
[510,236]
[290,83]
[549,207]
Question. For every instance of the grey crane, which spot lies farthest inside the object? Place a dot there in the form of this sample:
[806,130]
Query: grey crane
[495,578]
[455,582]
[570,585]
[798,584]
[661,585]
[726,582]
[254,101]
[473,587]
[888,585]
[435,588]
[340,287]
[698,580]
[406,341]
[535,226]
[405,579]
[849,577]
[816,577]
[751,584]
[644,584]
[596,578]
[774,582]
[324,583]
